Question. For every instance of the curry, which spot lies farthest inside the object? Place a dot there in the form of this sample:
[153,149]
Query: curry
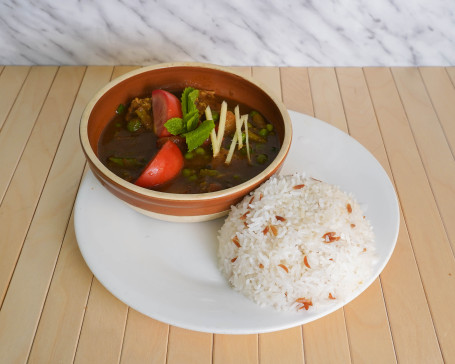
[192,141]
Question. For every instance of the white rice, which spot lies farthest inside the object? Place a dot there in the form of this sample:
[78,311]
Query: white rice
[271,269]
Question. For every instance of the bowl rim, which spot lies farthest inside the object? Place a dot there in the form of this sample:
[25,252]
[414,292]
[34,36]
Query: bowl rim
[163,196]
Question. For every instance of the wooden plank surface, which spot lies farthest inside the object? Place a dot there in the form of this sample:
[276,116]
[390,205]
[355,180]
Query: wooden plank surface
[429,239]
[282,346]
[63,309]
[400,282]
[327,107]
[145,340]
[103,327]
[53,310]
[11,80]
[366,317]
[29,177]
[20,120]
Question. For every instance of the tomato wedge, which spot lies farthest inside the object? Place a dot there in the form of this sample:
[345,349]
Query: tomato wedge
[165,166]
[165,106]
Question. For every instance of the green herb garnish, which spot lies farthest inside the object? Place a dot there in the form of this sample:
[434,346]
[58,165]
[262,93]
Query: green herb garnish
[188,125]
[191,120]
[196,137]
[189,97]
[175,126]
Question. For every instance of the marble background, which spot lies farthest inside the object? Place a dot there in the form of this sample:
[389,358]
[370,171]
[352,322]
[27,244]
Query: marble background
[234,32]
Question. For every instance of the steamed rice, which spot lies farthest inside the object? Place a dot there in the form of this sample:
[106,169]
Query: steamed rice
[296,242]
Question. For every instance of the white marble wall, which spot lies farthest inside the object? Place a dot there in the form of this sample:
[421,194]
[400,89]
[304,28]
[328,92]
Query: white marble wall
[229,32]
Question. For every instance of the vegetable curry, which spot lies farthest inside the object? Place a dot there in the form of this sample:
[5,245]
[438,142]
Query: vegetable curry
[192,141]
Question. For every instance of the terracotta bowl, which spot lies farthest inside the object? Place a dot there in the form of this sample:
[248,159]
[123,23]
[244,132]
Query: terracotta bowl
[176,76]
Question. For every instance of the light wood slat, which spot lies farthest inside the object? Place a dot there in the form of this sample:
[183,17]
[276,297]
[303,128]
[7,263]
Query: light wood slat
[19,203]
[366,316]
[288,342]
[244,71]
[233,349]
[22,305]
[451,73]
[270,78]
[296,90]
[121,70]
[326,97]
[105,316]
[19,123]
[325,340]
[11,80]
[103,328]
[281,346]
[145,340]
[189,347]
[1,69]
[442,94]
[61,317]
[332,328]
[41,247]
[368,327]
[438,162]
[409,316]
[429,240]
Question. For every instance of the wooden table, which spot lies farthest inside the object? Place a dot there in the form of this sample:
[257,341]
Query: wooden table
[54,311]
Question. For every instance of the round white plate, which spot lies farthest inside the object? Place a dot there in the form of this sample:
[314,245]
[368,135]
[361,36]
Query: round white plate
[168,271]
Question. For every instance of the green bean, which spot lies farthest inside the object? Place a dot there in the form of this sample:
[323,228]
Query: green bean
[200,151]
[192,178]
[263,132]
[256,138]
[120,109]
[269,127]
[186,172]
[134,125]
[257,119]
[261,158]
[189,155]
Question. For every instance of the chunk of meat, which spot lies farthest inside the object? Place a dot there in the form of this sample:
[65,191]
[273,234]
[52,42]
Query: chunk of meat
[207,98]
[229,128]
[141,108]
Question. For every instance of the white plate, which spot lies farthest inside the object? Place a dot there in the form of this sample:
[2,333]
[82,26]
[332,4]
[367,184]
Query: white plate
[168,271]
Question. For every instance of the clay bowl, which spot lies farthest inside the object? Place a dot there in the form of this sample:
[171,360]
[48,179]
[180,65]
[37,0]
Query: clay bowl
[176,76]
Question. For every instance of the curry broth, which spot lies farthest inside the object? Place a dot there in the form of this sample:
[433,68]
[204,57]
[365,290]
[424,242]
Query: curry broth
[127,153]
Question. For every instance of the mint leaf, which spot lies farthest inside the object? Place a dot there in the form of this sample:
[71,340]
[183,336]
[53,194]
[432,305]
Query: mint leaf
[175,126]
[191,119]
[191,101]
[184,99]
[198,136]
